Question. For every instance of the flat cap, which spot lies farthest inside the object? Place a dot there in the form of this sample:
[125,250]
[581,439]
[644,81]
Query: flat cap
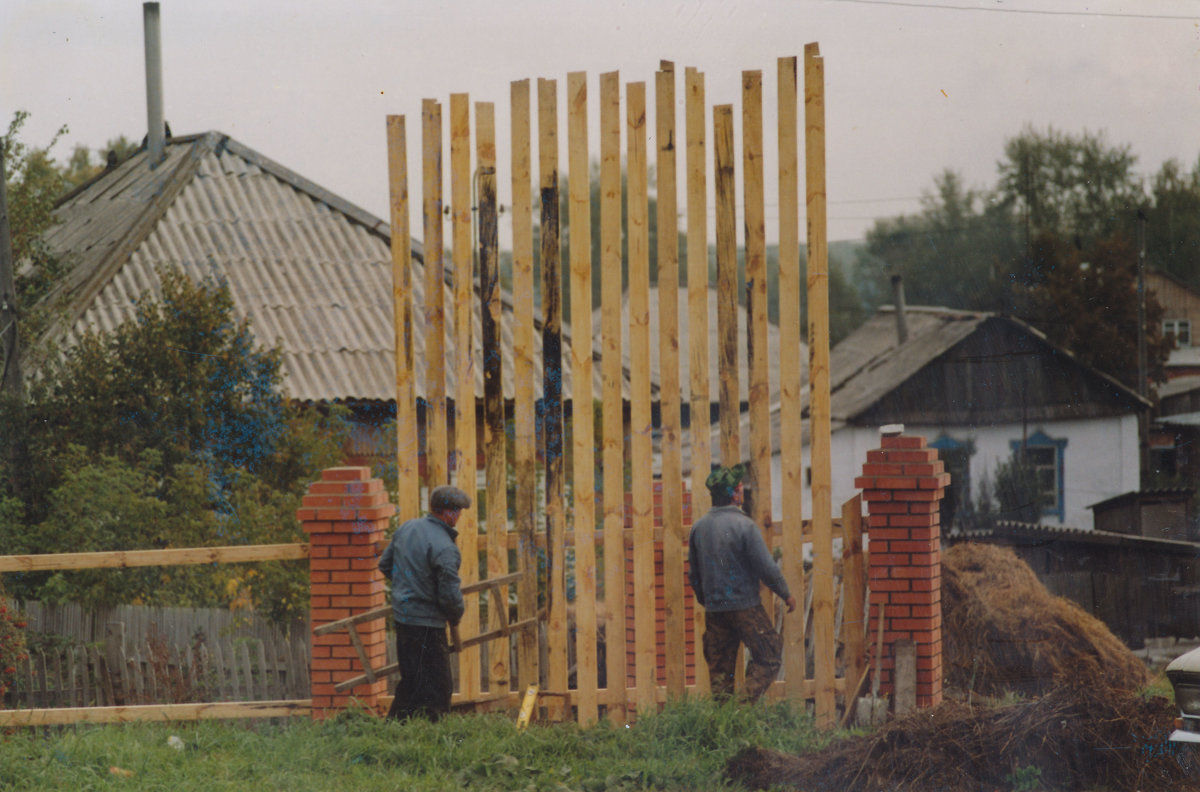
[445,498]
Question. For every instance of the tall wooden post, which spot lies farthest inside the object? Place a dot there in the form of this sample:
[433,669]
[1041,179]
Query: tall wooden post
[583,430]
[464,375]
[524,414]
[407,451]
[640,428]
[790,376]
[700,424]
[727,290]
[493,388]
[436,447]
[552,407]
[818,346]
[669,386]
[612,377]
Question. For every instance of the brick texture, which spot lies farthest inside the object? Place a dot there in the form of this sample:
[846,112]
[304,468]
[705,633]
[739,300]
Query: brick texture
[902,483]
[692,648]
[345,514]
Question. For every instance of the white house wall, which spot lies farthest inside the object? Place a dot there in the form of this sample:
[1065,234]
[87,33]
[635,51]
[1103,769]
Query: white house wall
[1100,460]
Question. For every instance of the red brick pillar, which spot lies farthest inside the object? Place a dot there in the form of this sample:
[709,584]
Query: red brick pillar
[345,515]
[903,483]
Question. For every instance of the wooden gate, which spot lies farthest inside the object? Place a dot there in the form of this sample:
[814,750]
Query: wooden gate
[569,503]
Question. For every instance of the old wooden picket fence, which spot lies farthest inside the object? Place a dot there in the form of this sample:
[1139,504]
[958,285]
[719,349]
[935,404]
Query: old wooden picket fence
[596,531]
[129,654]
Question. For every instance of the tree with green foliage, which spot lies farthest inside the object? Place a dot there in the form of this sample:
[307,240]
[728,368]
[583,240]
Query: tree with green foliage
[34,182]
[170,431]
[1172,230]
[81,168]
[1085,300]
[949,254]
[1074,186]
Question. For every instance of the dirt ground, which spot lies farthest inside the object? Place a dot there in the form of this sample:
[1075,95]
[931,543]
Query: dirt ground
[1054,704]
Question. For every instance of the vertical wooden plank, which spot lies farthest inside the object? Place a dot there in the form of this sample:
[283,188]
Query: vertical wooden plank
[700,426]
[818,346]
[493,388]
[582,427]
[640,429]
[854,584]
[756,308]
[436,449]
[613,421]
[727,302]
[524,431]
[264,686]
[670,400]
[790,417]
[552,407]
[408,495]
[464,379]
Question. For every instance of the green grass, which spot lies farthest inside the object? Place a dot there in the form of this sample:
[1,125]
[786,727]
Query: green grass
[684,747]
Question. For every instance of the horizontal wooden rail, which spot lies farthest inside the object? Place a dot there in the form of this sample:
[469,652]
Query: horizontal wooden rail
[141,558]
[628,696]
[157,712]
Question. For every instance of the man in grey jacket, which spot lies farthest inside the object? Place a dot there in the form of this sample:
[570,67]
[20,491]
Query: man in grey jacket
[422,564]
[727,558]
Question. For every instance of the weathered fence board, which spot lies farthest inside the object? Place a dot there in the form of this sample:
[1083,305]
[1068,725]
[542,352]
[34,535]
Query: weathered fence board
[157,672]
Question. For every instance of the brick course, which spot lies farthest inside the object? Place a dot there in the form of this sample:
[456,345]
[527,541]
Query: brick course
[345,514]
[903,482]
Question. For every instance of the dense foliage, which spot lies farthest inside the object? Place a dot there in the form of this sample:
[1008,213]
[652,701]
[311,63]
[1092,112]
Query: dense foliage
[169,431]
[1055,242]
[12,642]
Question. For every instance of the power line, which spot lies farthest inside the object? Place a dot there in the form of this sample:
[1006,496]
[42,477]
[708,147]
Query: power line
[1039,11]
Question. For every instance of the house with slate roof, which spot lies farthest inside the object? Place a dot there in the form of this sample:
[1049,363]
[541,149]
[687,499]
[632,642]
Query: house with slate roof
[310,270]
[977,386]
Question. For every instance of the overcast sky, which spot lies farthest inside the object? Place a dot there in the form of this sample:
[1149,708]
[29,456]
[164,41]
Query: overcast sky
[912,87]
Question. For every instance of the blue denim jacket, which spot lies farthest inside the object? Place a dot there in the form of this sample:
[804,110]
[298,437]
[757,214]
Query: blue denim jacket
[727,558]
[422,563]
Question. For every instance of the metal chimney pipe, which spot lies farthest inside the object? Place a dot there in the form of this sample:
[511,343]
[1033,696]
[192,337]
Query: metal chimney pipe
[155,136]
[898,299]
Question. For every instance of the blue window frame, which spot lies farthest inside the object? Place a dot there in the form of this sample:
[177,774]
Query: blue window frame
[1045,455]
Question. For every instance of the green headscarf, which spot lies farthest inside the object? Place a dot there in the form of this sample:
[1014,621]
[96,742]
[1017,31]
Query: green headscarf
[725,480]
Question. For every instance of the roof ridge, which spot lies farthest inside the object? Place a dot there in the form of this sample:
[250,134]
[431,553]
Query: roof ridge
[219,142]
[84,286]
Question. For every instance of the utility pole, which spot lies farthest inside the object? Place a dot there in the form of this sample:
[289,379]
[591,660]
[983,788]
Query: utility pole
[10,344]
[1142,375]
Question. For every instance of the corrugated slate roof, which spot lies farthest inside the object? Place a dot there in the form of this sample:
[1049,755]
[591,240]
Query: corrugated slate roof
[309,269]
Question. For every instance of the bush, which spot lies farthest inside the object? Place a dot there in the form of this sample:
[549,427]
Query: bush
[12,642]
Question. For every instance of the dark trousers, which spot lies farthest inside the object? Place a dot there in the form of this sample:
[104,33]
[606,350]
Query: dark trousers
[425,683]
[723,631]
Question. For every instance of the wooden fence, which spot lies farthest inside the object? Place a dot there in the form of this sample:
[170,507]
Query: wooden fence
[569,519]
[118,673]
[608,595]
[159,680]
[77,623]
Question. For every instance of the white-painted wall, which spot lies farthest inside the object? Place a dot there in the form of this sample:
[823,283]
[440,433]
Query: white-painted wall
[1100,460]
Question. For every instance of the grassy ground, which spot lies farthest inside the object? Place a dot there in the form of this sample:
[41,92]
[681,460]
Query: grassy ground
[683,748]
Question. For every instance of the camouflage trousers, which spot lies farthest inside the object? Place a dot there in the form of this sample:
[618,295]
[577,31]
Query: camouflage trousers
[723,632]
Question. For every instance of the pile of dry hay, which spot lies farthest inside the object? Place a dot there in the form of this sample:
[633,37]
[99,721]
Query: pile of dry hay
[1079,736]
[1003,631]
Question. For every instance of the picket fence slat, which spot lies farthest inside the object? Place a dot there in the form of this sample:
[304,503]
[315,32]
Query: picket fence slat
[156,673]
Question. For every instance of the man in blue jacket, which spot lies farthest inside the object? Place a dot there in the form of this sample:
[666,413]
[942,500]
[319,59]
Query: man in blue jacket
[727,559]
[422,564]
